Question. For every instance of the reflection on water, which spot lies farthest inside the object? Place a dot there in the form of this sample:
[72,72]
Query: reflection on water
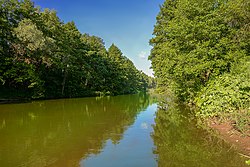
[122,131]
[62,132]
[179,143]
[134,150]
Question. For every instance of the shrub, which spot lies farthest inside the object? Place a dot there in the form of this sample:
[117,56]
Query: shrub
[225,94]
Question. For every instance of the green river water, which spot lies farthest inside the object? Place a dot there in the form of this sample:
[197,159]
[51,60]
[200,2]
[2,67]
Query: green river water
[121,131]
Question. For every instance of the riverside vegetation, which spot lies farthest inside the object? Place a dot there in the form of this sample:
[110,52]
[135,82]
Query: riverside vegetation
[201,54]
[43,57]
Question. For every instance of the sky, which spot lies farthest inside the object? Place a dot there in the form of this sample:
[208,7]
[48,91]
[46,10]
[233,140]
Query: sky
[128,24]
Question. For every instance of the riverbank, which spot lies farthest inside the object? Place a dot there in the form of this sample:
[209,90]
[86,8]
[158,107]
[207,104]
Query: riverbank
[231,135]
[94,94]
[226,129]
[9,101]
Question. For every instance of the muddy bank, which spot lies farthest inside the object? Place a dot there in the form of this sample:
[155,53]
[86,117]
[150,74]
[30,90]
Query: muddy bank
[227,132]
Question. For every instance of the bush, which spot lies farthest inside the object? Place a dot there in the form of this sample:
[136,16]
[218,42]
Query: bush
[225,94]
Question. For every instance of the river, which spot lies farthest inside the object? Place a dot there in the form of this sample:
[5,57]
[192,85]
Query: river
[121,131]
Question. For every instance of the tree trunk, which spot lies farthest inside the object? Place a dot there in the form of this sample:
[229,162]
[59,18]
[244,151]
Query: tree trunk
[64,81]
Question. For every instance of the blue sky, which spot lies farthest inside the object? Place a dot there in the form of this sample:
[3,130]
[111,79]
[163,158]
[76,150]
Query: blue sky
[126,23]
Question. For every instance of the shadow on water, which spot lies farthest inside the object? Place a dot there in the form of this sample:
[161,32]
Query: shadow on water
[178,142]
[109,131]
[62,132]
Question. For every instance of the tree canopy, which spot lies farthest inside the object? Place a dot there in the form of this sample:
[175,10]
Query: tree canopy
[201,52]
[43,57]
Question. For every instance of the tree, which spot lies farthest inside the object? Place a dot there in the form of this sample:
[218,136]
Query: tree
[194,42]
[201,52]
[41,56]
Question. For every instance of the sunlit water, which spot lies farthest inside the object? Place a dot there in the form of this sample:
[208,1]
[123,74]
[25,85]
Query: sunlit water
[122,131]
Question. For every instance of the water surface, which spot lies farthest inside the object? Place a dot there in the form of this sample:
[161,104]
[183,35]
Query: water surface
[122,131]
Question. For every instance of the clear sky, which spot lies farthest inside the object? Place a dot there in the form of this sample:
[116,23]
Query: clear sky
[126,23]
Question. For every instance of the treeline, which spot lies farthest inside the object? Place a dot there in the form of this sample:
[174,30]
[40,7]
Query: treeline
[42,57]
[201,51]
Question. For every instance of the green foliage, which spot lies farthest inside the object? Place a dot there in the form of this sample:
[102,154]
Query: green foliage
[124,77]
[195,41]
[248,162]
[47,58]
[29,35]
[224,95]
[201,52]
[228,97]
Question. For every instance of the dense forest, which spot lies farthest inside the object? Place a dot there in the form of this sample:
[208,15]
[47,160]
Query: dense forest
[201,52]
[43,57]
